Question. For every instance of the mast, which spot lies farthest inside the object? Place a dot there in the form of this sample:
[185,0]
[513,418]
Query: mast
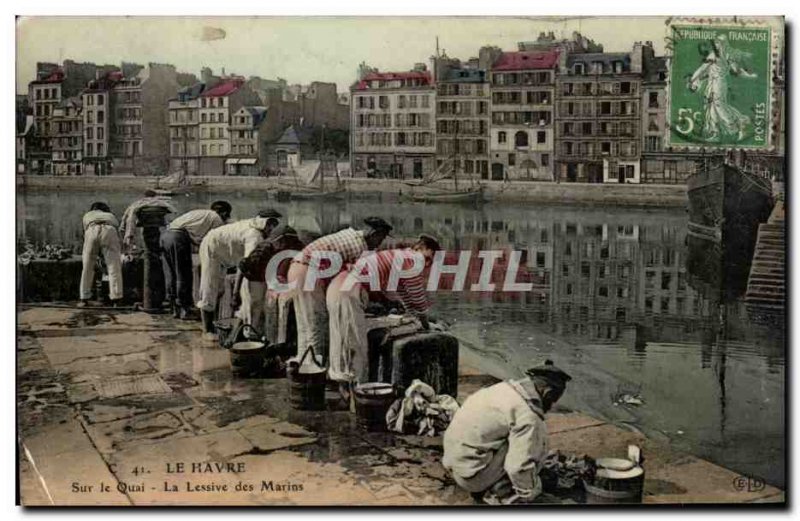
[455,163]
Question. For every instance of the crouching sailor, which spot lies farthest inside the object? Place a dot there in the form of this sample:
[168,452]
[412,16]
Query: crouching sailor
[498,439]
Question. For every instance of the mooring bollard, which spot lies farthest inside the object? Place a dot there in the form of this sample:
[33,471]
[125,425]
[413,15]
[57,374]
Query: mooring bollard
[151,219]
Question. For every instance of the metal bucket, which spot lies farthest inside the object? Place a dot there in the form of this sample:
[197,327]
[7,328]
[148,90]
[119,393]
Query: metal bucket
[617,481]
[247,359]
[306,383]
[372,402]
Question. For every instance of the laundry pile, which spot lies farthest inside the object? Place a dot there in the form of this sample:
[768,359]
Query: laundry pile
[421,412]
[42,251]
[564,472]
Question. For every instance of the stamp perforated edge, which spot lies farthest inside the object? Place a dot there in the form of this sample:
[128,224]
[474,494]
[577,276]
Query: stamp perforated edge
[776,24]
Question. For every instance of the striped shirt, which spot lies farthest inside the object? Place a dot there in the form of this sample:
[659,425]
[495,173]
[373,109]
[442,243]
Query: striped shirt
[197,223]
[410,291]
[348,243]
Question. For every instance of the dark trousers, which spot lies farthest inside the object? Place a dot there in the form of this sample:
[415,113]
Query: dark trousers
[176,255]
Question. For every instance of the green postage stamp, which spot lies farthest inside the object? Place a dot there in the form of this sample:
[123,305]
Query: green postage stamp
[720,86]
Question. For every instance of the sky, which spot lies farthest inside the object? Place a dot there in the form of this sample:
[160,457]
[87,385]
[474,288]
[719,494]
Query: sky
[299,49]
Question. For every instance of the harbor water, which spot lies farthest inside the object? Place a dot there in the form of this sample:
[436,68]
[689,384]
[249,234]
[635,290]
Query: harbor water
[612,301]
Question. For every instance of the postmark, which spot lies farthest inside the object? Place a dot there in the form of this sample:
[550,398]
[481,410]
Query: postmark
[721,86]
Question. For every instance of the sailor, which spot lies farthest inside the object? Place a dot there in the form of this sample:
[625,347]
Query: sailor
[309,303]
[223,248]
[347,299]
[100,235]
[181,237]
[127,228]
[498,439]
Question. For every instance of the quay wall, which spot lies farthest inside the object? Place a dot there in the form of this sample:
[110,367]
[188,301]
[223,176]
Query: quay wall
[645,195]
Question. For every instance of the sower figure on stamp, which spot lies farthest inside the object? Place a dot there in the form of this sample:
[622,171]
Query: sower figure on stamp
[497,440]
[399,275]
[100,235]
[224,248]
[308,296]
[178,240]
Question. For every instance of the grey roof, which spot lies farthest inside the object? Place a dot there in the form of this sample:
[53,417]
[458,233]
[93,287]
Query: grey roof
[259,113]
[606,58]
[465,76]
[653,67]
[289,137]
[191,92]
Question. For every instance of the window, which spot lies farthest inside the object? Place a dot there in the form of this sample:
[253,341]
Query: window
[100,150]
[204,149]
[512,159]
[501,137]
[101,116]
[625,87]
[652,100]
[100,133]
[425,102]
[605,147]
[541,137]
[578,68]
[653,144]
[540,259]
[90,149]
[545,160]
[100,99]
[605,108]
[89,132]
[521,139]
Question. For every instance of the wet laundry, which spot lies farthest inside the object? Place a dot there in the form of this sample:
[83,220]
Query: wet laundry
[421,411]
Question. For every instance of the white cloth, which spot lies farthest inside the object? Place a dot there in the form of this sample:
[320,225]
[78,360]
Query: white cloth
[99,217]
[310,311]
[254,301]
[197,223]
[223,248]
[101,238]
[496,419]
[349,347]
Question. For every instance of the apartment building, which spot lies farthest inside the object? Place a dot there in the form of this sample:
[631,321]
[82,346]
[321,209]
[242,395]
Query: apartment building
[462,121]
[393,117]
[216,106]
[598,108]
[184,130]
[247,149]
[97,116]
[659,163]
[67,141]
[522,101]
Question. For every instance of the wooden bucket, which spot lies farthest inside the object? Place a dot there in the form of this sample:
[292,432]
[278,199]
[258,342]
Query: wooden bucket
[372,402]
[306,383]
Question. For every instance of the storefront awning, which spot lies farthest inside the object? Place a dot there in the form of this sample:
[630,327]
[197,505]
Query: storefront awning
[233,161]
[248,161]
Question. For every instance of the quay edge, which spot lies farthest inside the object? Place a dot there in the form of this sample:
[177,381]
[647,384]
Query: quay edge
[611,194]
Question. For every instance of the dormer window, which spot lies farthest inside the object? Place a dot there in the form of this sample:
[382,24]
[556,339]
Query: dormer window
[579,68]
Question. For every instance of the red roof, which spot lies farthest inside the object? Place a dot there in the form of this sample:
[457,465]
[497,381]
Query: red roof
[522,60]
[223,89]
[425,76]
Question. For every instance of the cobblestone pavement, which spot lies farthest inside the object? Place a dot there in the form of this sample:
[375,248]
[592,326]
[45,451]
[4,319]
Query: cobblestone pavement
[111,403]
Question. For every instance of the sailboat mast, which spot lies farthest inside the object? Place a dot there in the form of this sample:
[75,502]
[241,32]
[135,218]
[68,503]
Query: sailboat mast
[455,152]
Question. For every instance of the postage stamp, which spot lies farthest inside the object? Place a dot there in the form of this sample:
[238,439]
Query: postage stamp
[720,86]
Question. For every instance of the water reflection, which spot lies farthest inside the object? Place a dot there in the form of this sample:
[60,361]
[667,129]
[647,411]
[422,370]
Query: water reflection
[615,298]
